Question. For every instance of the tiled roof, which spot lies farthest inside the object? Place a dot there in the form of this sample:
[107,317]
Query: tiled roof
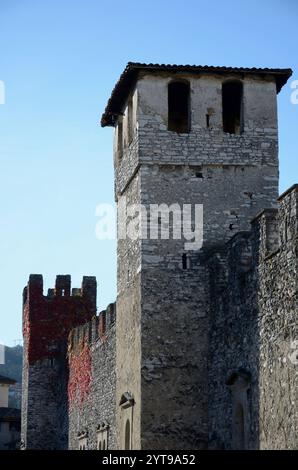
[130,74]
[6,380]
[10,414]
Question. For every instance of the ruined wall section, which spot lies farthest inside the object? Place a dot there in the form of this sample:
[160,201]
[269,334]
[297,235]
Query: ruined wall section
[92,382]
[47,321]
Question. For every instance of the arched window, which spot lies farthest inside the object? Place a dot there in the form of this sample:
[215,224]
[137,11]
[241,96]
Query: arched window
[239,382]
[179,107]
[127,435]
[232,107]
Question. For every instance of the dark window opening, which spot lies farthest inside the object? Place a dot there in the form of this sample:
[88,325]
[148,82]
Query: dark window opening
[242,287]
[232,103]
[199,174]
[130,120]
[207,120]
[127,435]
[231,226]
[178,107]
[239,435]
[120,139]
[184,261]
[286,230]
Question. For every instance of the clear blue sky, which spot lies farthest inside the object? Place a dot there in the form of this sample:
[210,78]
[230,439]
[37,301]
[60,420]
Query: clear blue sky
[59,61]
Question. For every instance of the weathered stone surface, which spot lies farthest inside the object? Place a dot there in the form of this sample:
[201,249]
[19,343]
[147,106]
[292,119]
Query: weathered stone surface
[253,327]
[47,321]
[91,388]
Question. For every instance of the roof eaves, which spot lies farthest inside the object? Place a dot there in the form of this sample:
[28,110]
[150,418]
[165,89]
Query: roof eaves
[129,76]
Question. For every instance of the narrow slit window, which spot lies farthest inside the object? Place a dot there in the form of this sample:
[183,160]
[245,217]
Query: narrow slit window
[179,107]
[127,435]
[120,139]
[232,107]
[184,261]
[130,120]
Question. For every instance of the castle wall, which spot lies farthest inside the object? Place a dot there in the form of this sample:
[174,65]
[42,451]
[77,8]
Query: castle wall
[234,342]
[47,321]
[278,308]
[92,383]
[252,334]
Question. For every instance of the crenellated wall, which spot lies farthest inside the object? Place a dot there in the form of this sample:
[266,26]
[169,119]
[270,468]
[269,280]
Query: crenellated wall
[47,321]
[92,382]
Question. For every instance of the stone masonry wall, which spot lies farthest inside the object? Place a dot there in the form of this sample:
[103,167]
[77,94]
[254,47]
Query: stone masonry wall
[278,375]
[252,333]
[92,382]
[234,177]
[234,341]
[128,326]
[47,321]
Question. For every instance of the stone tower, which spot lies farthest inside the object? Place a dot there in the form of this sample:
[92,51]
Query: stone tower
[183,135]
[47,322]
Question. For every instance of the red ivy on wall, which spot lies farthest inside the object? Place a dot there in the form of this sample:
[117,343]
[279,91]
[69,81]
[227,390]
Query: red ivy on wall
[47,323]
[80,375]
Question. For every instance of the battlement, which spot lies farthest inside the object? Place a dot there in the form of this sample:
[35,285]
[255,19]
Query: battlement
[276,229]
[47,320]
[273,231]
[97,329]
[34,289]
[84,361]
